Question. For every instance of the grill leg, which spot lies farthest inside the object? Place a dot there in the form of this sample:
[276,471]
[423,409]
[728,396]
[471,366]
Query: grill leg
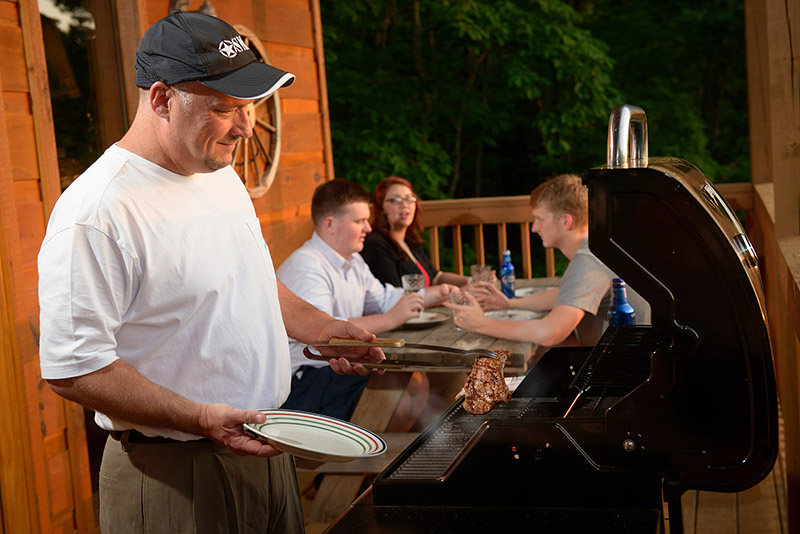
[672,492]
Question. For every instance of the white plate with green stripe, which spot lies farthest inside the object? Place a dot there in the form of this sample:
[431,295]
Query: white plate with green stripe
[316,437]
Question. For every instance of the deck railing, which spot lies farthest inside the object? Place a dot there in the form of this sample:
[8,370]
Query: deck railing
[502,212]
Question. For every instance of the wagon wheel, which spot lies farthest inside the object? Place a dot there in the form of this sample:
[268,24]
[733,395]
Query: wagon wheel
[256,159]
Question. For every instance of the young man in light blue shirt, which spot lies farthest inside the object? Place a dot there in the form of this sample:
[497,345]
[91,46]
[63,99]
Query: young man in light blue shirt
[328,272]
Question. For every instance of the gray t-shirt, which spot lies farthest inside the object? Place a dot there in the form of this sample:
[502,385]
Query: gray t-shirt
[586,284]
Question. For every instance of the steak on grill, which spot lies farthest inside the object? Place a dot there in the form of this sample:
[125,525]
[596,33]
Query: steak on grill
[486,385]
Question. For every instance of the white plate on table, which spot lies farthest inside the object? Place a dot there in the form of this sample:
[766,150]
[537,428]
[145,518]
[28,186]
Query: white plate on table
[316,437]
[426,319]
[527,291]
[513,315]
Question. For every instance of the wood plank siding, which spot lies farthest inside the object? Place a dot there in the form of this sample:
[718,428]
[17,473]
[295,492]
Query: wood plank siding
[46,442]
[45,484]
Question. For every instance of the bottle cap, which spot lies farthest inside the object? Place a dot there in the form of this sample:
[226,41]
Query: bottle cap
[506,252]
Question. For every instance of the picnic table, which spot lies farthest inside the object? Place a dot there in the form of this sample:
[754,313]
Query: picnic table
[380,399]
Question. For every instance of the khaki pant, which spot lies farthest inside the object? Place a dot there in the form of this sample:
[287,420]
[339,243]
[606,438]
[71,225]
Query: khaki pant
[196,487]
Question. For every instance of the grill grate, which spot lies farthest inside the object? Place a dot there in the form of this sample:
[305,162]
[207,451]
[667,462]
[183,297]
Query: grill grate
[543,408]
[620,359]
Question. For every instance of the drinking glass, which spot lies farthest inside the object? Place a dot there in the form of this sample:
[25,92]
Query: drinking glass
[459,296]
[481,273]
[413,283]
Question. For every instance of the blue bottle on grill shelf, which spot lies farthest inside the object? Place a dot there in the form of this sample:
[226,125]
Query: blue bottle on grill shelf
[620,313]
[507,278]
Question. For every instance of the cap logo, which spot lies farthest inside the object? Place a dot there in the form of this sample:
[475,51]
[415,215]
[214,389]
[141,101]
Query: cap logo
[230,48]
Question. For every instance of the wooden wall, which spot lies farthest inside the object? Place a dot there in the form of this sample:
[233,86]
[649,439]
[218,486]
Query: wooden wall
[44,481]
[44,469]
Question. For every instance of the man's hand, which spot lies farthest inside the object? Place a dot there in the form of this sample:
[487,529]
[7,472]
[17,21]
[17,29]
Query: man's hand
[348,330]
[223,424]
[408,307]
[489,297]
[436,295]
[469,317]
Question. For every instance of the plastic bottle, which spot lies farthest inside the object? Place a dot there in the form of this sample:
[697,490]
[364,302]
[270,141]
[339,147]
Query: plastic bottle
[620,313]
[507,278]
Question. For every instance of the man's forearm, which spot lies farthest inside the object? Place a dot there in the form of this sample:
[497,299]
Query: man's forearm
[531,331]
[302,320]
[121,392]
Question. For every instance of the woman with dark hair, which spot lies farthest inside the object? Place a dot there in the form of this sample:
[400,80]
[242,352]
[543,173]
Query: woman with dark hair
[394,247]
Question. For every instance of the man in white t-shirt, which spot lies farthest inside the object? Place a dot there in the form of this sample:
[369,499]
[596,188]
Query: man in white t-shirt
[329,273]
[160,309]
[578,308]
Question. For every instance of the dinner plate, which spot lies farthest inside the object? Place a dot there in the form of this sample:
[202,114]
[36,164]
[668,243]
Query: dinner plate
[426,319]
[316,437]
[527,291]
[513,315]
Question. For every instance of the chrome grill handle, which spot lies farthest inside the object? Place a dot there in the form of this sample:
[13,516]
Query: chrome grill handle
[627,138]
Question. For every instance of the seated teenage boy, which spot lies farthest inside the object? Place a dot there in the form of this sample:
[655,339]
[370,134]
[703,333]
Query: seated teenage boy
[580,305]
[328,272]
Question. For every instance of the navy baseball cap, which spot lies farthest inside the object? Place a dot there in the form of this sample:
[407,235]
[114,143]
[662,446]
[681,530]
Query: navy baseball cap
[186,46]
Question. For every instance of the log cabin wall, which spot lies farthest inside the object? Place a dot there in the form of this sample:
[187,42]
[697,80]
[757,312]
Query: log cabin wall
[44,469]
[44,483]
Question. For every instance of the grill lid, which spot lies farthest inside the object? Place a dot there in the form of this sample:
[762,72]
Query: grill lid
[710,403]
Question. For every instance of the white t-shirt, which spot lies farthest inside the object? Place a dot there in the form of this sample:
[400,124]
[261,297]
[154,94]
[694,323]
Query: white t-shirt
[342,288]
[169,273]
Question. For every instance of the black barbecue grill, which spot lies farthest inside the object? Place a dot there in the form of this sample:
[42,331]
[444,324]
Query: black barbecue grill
[595,438]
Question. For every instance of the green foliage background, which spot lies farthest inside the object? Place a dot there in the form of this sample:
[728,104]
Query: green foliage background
[470,98]
[490,97]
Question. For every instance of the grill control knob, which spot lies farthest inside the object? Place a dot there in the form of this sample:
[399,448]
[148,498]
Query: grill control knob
[629,445]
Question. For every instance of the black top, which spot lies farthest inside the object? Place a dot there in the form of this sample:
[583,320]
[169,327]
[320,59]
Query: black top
[388,262]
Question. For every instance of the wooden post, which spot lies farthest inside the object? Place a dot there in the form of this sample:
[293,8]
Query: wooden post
[502,240]
[773,42]
[17,490]
[783,29]
[549,262]
[131,19]
[525,237]
[40,104]
[433,236]
[458,253]
[480,246]
[319,54]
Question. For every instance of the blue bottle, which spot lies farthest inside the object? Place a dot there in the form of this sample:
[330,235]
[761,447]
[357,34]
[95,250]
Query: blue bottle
[620,313]
[507,278]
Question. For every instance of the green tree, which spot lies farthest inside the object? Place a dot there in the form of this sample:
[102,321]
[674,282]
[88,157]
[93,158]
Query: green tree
[683,61]
[464,97]
[480,97]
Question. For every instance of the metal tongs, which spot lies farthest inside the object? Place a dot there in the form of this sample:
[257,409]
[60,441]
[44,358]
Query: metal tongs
[346,346]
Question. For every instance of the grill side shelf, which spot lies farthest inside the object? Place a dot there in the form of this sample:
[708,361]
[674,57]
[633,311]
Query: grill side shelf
[434,454]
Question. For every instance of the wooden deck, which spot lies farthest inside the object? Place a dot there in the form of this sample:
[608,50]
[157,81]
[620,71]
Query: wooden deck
[759,510]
